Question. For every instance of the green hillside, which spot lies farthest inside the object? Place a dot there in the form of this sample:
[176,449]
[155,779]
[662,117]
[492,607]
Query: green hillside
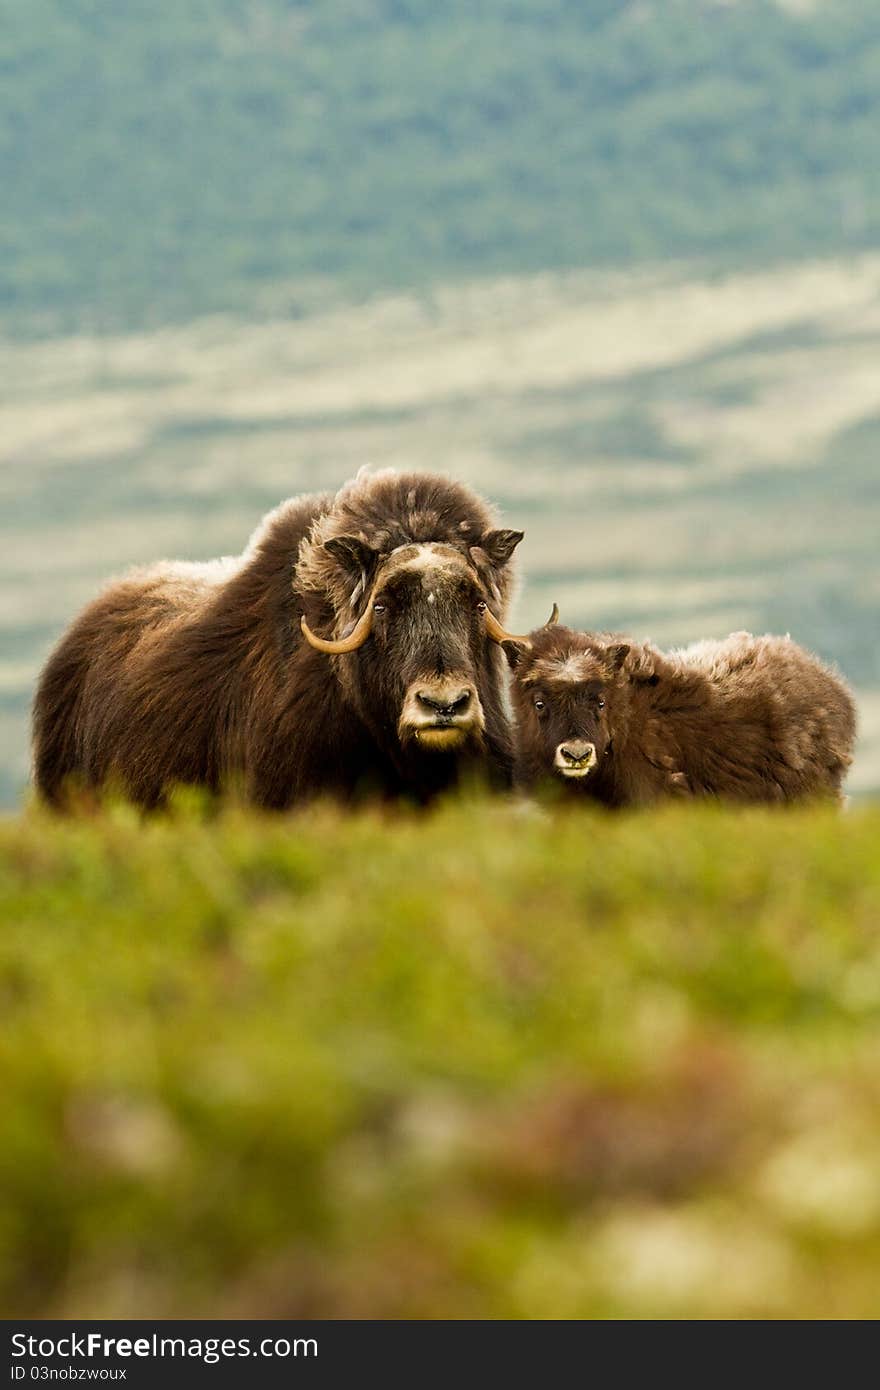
[486,1063]
[164,158]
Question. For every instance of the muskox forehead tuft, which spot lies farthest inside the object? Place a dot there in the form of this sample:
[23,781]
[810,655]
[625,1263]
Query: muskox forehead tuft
[569,668]
[422,522]
[432,559]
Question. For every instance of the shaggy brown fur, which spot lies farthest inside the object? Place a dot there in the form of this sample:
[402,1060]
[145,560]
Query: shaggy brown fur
[745,719]
[199,674]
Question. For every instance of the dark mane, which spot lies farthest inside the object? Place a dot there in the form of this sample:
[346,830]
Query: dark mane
[199,673]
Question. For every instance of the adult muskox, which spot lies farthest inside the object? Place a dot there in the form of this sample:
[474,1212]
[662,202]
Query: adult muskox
[745,719]
[352,647]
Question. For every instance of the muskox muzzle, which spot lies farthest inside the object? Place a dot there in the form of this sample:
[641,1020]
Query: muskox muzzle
[575,758]
[441,713]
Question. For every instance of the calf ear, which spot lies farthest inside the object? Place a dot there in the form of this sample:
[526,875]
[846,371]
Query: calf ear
[617,655]
[515,652]
[500,545]
[356,557]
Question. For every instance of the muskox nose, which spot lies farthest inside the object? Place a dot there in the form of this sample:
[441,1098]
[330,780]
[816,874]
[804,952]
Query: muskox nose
[576,752]
[441,713]
[449,706]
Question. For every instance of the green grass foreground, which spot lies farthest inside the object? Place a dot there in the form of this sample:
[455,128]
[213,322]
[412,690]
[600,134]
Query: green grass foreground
[490,1062]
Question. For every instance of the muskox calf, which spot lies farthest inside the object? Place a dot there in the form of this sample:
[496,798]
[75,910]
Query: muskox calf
[745,719]
[352,647]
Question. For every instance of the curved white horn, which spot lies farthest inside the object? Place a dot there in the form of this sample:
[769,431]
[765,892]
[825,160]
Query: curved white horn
[497,632]
[356,638]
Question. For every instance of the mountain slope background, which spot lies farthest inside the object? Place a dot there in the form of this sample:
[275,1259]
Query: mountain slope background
[612,263]
[161,159]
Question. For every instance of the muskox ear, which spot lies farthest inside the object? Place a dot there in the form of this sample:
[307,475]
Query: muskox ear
[617,655]
[351,551]
[515,652]
[357,559]
[500,545]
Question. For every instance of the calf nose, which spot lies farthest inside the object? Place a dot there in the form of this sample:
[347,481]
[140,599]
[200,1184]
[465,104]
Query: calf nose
[450,706]
[576,751]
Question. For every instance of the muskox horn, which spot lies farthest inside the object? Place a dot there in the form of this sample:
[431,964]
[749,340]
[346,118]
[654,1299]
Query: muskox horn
[497,633]
[356,638]
[554,616]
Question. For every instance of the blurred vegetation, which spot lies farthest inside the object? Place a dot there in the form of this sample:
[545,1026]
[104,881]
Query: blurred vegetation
[161,159]
[489,1062]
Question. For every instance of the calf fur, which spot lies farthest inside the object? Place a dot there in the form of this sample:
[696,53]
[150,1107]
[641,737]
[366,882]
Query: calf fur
[746,719]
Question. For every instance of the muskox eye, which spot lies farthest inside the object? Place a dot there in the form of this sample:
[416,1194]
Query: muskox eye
[600,703]
[481,606]
[539,704]
[378,608]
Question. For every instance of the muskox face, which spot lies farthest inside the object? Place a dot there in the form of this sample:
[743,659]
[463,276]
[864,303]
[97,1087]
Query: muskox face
[416,661]
[429,647]
[565,693]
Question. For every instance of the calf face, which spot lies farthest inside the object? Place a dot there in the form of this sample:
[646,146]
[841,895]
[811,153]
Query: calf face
[567,693]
